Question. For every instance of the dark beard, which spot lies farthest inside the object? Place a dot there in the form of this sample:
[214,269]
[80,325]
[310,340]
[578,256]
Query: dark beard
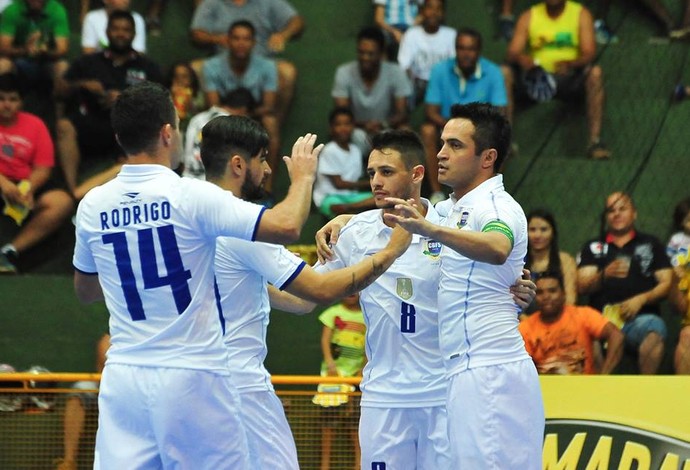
[120,50]
[251,192]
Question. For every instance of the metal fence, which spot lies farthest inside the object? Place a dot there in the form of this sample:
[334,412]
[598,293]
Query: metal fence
[33,432]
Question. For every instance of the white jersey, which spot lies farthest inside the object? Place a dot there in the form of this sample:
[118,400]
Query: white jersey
[193,166]
[405,368]
[93,31]
[420,51]
[334,160]
[242,270]
[478,321]
[151,236]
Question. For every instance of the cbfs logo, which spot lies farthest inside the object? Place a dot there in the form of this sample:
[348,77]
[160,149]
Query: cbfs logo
[432,248]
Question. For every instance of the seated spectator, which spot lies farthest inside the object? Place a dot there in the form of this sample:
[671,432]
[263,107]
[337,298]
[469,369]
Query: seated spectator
[375,90]
[424,45]
[34,40]
[186,92]
[559,336]
[552,56]
[76,408]
[36,203]
[394,17]
[239,102]
[339,187]
[91,85]
[543,254]
[678,250]
[93,28]
[239,67]
[467,78]
[627,274]
[276,23]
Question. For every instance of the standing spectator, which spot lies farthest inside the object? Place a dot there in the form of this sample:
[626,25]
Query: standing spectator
[376,90]
[424,45]
[394,17]
[339,186]
[342,346]
[467,78]
[494,404]
[166,339]
[552,55]
[34,40]
[276,22]
[94,37]
[559,336]
[239,67]
[678,250]
[543,254]
[26,161]
[91,85]
[627,274]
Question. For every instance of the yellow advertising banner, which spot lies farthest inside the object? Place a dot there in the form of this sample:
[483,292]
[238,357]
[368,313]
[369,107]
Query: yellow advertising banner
[616,422]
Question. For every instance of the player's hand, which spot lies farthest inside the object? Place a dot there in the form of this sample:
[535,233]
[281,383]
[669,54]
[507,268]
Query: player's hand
[632,306]
[276,42]
[400,240]
[304,159]
[407,215]
[327,236]
[524,290]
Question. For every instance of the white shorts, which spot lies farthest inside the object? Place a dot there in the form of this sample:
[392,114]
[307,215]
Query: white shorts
[496,417]
[271,445]
[163,418]
[404,438]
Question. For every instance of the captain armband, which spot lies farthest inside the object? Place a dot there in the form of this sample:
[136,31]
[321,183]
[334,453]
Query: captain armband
[501,227]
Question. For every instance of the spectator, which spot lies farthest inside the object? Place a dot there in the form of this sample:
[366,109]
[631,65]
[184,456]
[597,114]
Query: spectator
[464,79]
[339,187]
[238,102]
[375,90]
[506,20]
[276,22]
[677,249]
[559,336]
[342,345]
[91,84]
[34,40]
[394,17]
[424,45]
[626,274]
[76,408]
[239,67]
[185,89]
[552,54]
[93,29]
[26,160]
[543,254]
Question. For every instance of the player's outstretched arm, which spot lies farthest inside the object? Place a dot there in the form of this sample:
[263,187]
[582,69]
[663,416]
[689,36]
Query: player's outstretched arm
[283,223]
[325,288]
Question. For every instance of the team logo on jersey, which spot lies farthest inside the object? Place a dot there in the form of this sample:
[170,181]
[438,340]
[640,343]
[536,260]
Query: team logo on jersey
[432,248]
[404,288]
[463,219]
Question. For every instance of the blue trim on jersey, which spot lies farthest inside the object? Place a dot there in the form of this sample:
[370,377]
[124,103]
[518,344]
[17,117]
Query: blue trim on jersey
[216,292]
[256,226]
[464,313]
[293,276]
[84,272]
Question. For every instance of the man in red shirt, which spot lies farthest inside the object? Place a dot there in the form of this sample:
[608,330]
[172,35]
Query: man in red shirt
[559,337]
[26,160]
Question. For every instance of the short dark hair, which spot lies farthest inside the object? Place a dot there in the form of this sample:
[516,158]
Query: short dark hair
[196,86]
[138,115]
[243,24]
[551,275]
[121,15]
[340,111]
[239,98]
[681,211]
[372,33]
[9,82]
[225,136]
[491,128]
[406,142]
[471,32]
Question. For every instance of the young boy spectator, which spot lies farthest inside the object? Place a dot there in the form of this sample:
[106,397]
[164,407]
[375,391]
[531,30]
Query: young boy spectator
[394,17]
[26,160]
[339,188]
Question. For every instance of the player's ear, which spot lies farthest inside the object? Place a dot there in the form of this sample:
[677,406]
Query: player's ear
[489,157]
[418,174]
[236,165]
[167,133]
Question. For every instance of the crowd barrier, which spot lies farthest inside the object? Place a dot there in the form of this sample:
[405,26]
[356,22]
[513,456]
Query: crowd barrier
[593,422]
